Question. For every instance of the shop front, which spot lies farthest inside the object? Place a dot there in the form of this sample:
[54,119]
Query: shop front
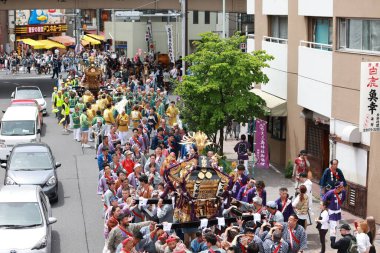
[38,25]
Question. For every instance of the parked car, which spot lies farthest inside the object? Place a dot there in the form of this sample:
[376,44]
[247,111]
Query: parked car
[29,102]
[33,164]
[18,125]
[25,219]
[30,92]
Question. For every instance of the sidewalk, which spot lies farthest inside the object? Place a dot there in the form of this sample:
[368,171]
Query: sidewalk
[274,179]
[4,74]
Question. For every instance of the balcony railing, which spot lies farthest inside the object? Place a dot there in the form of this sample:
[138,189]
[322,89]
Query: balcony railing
[275,40]
[251,36]
[314,45]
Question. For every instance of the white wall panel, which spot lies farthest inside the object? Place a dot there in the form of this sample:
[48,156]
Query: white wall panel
[316,8]
[315,64]
[353,163]
[251,7]
[275,7]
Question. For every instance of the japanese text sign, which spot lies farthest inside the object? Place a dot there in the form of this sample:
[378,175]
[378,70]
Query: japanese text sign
[261,144]
[369,119]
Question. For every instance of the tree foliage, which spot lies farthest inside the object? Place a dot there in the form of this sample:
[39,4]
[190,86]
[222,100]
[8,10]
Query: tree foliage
[218,88]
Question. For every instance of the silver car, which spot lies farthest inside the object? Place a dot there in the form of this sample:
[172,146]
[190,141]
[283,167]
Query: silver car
[33,164]
[25,219]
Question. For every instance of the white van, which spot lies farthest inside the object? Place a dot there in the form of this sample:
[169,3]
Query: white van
[20,124]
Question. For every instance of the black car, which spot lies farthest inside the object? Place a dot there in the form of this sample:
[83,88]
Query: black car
[33,164]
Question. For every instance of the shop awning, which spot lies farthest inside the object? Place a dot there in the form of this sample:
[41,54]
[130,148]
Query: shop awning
[64,40]
[91,40]
[97,37]
[34,43]
[275,105]
[50,44]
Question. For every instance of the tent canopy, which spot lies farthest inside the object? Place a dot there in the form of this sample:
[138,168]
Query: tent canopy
[50,44]
[91,40]
[275,105]
[97,37]
[64,40]
[34,43]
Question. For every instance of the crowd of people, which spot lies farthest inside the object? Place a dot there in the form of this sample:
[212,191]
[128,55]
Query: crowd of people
[135,128]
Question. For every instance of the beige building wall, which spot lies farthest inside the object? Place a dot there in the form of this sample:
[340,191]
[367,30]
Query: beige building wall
[346,90]
[297,30]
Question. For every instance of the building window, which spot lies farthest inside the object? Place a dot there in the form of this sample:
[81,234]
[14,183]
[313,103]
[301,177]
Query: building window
[247,18]
[277,127]
[321,30]
[195,17]
[278,27]
[359,34]
[207,17]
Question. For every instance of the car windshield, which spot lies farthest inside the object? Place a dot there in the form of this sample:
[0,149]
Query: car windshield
[21,127]
[20,214]
[28,94]
[30,161]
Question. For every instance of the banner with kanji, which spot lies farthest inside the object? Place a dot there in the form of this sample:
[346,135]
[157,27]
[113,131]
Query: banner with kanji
[261,144]
[169,31]
[369,119]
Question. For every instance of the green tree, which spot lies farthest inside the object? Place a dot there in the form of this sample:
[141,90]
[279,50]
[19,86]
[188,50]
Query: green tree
[218,89]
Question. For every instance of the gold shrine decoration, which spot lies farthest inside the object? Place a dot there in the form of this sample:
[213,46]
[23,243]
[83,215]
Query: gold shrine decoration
[199,139]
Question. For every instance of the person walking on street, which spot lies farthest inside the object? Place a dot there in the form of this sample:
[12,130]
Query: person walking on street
[331,176]
[362,238]
[344,243]
[84,127]
[243,150]
[335,198]
[323,226]
[301,165]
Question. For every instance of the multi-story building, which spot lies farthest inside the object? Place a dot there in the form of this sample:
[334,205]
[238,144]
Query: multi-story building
[130,35]
[318,46]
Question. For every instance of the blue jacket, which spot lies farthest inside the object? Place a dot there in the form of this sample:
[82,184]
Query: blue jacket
[329,180]
[101,162]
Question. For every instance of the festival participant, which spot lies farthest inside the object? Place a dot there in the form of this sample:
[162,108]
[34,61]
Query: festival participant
[260,191]
[107,177]
[240,180]
[133,178]
[335,198]
[331,176]
[274,214]
[301,206]
[284,204]
[123,230]
[247,192]
[172,113]
[144,190]
[104,159]
[138,156]
[211,241]
[76,124]
[275,244]
[128,164]
[294,235]
[135,117]
[122,122]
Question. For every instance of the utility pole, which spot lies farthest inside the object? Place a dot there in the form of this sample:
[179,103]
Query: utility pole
[113,30]
[224,19]
[184,10]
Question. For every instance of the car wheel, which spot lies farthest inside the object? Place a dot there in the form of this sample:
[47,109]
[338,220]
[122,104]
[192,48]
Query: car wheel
[55,198]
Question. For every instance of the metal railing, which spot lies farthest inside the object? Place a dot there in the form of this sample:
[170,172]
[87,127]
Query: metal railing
[251,36]
[275,40]
[314,45]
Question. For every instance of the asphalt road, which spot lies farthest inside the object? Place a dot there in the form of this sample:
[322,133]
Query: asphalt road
[80,226]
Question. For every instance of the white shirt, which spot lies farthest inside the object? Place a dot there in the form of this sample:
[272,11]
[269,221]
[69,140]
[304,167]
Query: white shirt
[325,220]
[363,242]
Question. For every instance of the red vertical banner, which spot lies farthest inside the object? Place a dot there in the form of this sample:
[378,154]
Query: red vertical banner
[261,144]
